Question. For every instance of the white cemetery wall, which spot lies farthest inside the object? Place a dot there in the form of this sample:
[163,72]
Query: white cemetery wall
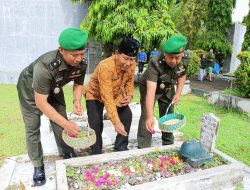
[236,37]
[30,28]
[239,33]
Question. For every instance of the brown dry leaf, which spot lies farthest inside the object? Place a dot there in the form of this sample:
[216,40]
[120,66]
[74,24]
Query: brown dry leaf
[22,186]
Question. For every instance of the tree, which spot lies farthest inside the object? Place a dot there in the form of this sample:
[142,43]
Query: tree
[217,25]
[189,17]
[147,21]
[246,21]
[205,23]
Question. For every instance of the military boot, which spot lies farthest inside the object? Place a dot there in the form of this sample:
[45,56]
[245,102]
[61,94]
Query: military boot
[121,143]
[39,176]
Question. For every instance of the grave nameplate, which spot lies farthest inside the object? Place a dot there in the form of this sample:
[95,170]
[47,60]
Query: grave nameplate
[209,128]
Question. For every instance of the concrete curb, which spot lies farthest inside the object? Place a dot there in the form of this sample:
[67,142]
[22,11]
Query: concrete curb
[6,172]
[225,100]
[199,92]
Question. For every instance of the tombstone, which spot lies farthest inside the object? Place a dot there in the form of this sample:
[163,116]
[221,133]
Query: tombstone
[209,128]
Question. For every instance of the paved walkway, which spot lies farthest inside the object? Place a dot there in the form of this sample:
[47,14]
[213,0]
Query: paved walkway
[219,83]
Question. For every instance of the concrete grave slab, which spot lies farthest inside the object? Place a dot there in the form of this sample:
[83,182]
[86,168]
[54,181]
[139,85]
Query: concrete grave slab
[212,179]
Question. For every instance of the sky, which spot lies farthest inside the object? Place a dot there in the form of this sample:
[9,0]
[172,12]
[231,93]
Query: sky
[240,10]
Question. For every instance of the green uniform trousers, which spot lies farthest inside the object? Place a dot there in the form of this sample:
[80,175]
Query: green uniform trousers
[144,137]
[33,138]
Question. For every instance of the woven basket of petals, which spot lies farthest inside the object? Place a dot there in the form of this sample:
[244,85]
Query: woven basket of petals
[85,138]
[172,122]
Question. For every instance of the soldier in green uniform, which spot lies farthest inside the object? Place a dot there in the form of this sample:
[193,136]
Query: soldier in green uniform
[157,83]
[40,92]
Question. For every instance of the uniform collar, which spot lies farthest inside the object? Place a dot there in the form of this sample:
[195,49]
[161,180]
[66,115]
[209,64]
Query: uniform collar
[162,60]
[64,65]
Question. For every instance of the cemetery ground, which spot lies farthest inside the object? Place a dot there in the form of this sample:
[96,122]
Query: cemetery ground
[232,139]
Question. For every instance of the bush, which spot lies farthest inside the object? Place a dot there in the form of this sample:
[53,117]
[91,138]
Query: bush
[194,64]
[199,52]
[242,74]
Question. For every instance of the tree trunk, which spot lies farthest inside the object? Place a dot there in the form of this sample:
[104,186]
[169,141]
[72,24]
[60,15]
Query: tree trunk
[107,50]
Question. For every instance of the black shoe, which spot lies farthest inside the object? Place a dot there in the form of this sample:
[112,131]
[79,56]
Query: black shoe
[167,143]
[39,176]
[69,155]
[120,149]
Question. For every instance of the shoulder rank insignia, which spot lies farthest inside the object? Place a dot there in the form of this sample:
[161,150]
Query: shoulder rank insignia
[84,61]
[54,64]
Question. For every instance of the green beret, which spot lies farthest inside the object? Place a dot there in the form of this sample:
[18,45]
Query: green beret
[175,44]
[73,39]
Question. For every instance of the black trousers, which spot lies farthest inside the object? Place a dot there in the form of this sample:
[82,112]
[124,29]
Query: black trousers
[140,66]
[95,119]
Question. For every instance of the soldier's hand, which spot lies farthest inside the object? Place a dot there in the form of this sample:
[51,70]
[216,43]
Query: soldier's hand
[119,128]
[78,109]
[72,128]
[176,99]
[150,122]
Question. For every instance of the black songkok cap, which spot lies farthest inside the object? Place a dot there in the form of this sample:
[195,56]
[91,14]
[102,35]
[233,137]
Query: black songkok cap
[129,46]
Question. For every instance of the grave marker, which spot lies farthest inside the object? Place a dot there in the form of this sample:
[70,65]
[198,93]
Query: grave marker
[209,128]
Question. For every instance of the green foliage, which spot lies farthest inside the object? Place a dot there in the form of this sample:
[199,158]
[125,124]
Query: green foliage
[70,171]
[242,74]
[219,15]
[239,186]
[246,21]
[189,17]
[205,23]
[215,162]
[218,23]
[215,40]
[194,64]
[232,91]
[148,21]
[199,52]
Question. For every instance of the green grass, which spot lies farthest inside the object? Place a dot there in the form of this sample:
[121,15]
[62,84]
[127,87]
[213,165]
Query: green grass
[11,123]
[232,92]
[233,134]
[12,130]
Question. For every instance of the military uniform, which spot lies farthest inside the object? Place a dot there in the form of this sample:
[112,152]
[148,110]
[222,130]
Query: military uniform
[40,87]
[47,75]
[165,76]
